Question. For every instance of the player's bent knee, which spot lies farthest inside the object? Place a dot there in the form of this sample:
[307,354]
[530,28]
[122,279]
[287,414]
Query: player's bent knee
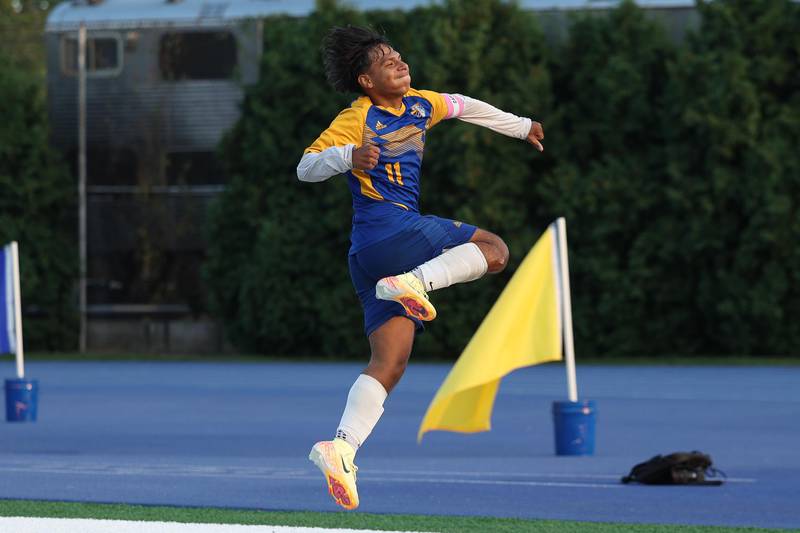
[503,261]
[499,257]
[493,248]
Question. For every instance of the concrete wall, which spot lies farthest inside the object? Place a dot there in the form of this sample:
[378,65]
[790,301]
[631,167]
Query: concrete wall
[156,335]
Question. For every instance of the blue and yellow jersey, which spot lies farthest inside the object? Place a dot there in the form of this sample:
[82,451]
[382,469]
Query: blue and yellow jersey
[385,198]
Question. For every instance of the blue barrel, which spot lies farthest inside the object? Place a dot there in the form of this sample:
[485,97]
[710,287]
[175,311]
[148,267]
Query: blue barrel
[574,425]
[21,400]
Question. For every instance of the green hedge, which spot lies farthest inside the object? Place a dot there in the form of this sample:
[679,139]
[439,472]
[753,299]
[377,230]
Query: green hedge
[37,209]
[676,167]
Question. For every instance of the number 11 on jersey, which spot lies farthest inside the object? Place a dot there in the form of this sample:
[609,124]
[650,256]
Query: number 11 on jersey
[393,172]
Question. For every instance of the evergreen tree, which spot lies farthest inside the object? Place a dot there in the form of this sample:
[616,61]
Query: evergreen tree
[37,210]
[734,163]
[277,267]
[676,168]
[607,142]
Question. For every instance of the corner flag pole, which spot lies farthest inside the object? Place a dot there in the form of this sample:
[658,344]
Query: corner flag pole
[569,347]
[82,184]
[17,311]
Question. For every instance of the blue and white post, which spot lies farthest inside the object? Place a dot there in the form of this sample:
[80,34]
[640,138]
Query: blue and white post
[21,393]
[574,420]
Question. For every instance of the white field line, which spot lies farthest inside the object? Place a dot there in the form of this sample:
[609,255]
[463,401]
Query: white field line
[530,474]
[79,525]
[393,479]
[498,482]
[394,476]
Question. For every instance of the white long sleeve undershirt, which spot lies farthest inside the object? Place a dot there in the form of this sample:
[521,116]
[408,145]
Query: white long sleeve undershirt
[316,167]
[482,114]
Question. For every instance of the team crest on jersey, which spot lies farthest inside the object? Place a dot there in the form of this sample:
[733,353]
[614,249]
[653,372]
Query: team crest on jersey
[379,125]
[418,111]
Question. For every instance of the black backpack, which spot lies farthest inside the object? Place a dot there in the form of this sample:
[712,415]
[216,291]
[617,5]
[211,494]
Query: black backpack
[682,468]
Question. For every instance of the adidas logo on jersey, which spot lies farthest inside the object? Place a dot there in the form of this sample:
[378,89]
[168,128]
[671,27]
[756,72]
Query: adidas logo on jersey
[379,126]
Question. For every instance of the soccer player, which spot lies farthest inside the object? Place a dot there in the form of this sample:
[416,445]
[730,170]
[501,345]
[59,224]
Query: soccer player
[397,255]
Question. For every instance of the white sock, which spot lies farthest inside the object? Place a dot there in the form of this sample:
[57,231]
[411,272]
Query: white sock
[463,263]
[364,408]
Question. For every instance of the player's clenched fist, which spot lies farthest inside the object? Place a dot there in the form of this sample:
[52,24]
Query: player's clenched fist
[366,157]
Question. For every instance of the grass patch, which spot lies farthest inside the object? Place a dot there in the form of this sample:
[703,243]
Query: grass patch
[444,524]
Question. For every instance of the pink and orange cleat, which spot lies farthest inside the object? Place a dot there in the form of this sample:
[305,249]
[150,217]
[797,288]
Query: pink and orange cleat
[335,459]
[407,290]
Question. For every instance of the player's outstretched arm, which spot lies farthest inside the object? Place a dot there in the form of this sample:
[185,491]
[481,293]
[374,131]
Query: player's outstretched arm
[480,113]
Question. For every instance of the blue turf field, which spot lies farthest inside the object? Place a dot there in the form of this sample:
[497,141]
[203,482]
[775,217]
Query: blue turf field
[237,435]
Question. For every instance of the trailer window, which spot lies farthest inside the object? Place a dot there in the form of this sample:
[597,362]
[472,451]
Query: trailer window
[197,56]
[194,168]
[106,165]
[103,55]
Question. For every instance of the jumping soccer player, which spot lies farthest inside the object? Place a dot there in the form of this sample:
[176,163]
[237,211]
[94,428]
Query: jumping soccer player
[397,255]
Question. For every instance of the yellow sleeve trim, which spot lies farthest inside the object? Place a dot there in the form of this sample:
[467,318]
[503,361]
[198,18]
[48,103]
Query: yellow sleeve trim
[346,128]
[438,103]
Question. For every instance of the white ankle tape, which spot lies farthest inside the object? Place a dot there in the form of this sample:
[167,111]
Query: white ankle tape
[363,410]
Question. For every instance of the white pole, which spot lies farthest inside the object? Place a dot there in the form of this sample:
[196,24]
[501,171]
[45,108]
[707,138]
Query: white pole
[17,311]
[569,346]
[82,182]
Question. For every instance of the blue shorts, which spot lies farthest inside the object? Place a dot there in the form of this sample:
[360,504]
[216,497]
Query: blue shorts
[421,241]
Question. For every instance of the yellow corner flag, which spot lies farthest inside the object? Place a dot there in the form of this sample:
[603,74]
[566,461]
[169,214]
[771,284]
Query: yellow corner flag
[523,328]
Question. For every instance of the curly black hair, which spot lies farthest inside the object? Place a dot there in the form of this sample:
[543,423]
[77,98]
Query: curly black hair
[347,53]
